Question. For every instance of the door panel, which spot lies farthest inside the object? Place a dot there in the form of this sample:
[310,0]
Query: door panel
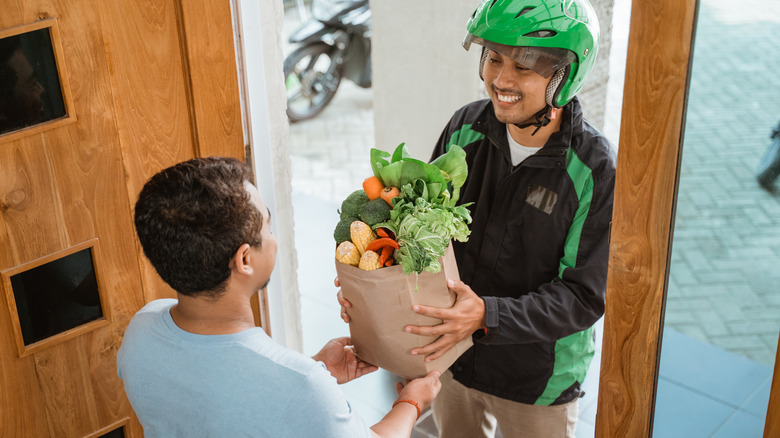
[130,68]
[150,90]
[211,68]
[28,203]
[64,377]
[150,98]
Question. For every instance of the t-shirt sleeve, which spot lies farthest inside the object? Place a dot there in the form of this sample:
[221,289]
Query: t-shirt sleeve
[325,411]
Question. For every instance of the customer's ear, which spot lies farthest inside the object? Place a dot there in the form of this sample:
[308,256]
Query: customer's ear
[241,260]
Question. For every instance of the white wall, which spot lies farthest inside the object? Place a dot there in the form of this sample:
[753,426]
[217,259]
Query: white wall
[594,94]
[421,73]
[260,60]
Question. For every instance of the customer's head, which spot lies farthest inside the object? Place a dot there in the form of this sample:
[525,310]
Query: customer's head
[193,217]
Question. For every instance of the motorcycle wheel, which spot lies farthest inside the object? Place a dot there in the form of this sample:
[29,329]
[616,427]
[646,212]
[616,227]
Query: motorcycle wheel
[311,80]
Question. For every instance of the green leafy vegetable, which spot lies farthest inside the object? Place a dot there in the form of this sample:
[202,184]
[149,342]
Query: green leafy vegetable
[423,230]
[453,166]
[424,217]
[436,182]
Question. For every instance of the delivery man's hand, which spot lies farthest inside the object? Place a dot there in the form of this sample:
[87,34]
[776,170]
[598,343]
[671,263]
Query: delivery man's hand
[345,304]
[339,358]
[465,317]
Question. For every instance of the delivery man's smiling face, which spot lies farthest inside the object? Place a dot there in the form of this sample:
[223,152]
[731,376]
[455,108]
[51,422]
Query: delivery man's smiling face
[517,92]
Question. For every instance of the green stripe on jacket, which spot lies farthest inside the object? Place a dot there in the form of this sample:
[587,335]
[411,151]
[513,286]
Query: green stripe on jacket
[573,353]
[463,136]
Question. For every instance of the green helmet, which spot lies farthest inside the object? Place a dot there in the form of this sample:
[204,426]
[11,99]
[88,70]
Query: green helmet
[550,37]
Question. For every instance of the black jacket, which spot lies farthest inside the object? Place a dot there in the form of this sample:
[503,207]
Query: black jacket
[537,253]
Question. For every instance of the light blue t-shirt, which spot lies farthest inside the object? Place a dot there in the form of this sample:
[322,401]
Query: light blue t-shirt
[182,384]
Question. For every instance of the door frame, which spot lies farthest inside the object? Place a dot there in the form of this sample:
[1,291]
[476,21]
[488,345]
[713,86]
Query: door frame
[648,167]
[258,26]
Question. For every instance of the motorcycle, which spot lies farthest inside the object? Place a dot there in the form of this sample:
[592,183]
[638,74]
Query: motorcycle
[335,44]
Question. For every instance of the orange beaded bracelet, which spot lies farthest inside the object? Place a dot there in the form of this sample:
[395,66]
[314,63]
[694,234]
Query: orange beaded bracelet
[411,402]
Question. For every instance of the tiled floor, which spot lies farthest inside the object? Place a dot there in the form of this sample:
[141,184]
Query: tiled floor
[722,394]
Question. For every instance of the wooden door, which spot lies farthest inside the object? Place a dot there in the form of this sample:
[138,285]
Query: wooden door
[143,85]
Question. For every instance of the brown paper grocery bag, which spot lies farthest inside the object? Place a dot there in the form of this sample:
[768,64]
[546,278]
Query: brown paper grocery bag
[382,303]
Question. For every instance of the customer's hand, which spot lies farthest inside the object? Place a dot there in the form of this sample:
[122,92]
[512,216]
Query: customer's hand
[338,355]
[422,390]
[345,304]
[465,317]
[400,421]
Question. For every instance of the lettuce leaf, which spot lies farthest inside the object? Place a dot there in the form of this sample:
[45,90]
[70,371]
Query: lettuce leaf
[423,231]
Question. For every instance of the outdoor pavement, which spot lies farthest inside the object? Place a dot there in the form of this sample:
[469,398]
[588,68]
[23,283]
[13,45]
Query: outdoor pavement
[723,304]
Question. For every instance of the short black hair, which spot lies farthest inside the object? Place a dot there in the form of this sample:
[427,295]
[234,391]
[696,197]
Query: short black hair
[192,217]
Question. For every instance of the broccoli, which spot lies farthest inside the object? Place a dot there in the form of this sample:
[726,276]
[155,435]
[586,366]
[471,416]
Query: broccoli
[375,212]
[341,233]
[352,205]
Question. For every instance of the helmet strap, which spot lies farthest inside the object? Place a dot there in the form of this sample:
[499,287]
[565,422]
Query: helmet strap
[549,112]
[541,119]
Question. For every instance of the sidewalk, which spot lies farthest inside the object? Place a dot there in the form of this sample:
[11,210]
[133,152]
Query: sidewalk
[723,305]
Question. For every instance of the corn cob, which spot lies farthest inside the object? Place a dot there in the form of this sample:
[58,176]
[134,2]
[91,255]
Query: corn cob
[361,235]
[347,253]
[369,261]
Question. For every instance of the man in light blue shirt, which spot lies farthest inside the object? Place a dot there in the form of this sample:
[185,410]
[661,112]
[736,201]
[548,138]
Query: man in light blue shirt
[197,366]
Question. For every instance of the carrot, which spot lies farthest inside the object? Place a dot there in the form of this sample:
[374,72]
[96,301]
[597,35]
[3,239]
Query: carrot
[375,245]
[388,193]
[373,187]
[389,262]
[387,251]
[385,232]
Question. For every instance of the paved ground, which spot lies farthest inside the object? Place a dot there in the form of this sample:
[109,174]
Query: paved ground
[724,285]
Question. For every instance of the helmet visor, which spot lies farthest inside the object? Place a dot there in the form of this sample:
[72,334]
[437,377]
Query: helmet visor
[544,61]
